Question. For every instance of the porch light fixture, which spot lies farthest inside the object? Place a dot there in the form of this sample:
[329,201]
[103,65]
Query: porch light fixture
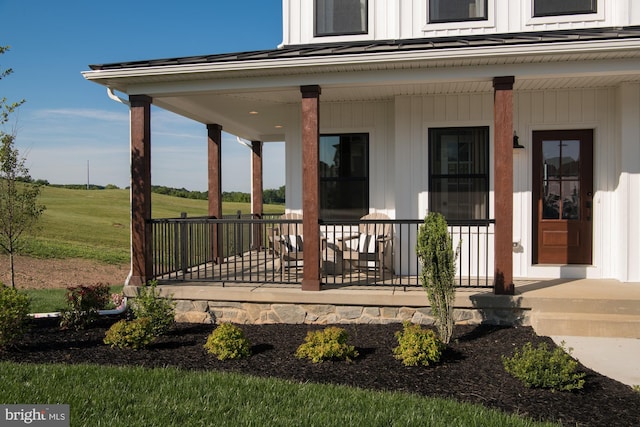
[516,141]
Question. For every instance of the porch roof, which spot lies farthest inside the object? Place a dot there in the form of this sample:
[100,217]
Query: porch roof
[225,88]
[385,46]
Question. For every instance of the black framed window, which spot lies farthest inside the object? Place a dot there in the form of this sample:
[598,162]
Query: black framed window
[459,172]
[340,17]
[564,7]
[457,10]
[344,176]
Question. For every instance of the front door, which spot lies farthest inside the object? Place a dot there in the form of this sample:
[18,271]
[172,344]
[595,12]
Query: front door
[562,196]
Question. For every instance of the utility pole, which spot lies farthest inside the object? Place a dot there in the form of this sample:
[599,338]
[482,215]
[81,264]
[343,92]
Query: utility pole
[87,174]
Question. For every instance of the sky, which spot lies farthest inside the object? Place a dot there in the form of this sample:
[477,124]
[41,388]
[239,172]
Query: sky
[70,132]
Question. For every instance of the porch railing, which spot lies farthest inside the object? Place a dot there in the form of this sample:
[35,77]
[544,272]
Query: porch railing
[249,249]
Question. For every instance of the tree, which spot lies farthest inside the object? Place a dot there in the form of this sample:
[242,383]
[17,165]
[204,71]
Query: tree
[19,209]
[438,262]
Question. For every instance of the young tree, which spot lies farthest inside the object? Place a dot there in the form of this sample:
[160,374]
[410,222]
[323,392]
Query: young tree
[19,209]
[438,262]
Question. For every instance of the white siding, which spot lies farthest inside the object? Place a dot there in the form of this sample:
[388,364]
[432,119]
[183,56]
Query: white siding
[406,19]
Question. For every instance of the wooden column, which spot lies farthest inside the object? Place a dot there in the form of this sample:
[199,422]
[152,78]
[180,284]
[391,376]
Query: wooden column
[256,190]
[503,184]
[141,237]
[311,186]
[214,144]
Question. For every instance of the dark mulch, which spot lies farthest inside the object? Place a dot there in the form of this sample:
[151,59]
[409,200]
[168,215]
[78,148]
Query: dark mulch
[471,370]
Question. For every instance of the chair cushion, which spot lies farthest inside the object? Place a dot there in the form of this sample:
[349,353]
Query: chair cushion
[367,244]
[292,243]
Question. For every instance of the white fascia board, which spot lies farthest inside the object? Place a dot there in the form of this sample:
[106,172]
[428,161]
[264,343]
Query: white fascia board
[542,70]
[262,71]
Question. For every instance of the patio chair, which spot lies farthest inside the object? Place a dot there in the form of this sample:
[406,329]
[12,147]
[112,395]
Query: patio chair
[287,242]
[371,247]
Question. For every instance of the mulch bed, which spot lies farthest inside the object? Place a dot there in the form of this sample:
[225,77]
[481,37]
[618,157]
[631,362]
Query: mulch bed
[471,370]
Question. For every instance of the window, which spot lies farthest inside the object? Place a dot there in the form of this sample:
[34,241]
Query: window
[457,10]
[344,176]
[459,172]
[564,7]
[340,17]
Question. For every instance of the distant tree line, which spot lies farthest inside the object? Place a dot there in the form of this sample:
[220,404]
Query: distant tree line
[270,196]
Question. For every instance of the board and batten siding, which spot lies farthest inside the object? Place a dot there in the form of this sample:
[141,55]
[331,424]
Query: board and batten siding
[407,19]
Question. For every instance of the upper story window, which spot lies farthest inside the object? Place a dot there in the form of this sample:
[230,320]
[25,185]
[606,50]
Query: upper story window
[457,10]
[564,7]
[340,17]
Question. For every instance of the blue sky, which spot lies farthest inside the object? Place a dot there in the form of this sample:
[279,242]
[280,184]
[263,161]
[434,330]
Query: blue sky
[68,123]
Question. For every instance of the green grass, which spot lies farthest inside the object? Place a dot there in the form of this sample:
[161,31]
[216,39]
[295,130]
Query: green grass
[52,300]
[106,396]
[95,224]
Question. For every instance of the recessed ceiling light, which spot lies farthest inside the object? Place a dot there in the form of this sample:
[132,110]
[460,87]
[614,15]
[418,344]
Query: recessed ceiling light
[278,126]
[253,113]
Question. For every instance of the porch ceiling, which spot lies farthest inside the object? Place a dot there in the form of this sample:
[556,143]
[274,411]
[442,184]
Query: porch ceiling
[265,114]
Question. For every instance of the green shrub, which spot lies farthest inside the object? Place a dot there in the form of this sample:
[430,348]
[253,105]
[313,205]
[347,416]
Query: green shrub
[14,315]
[438,270]
[135,334]
[227,341]
[327,344]
[83,303]
[543,368]
[417,346]
[161,311]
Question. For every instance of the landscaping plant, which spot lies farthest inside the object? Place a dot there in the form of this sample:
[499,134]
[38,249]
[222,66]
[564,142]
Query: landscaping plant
[227,341]
[417,346]
[149,304]
[438,261]
[543,368]
[14,315]
[327,344]
[83,303]
[135,334]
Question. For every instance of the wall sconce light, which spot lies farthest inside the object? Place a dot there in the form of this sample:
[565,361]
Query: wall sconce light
[516,141]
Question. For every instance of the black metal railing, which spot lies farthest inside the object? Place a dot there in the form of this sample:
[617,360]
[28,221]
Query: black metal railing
[260,249]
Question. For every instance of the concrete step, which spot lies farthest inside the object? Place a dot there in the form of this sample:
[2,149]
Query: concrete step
[585,324]
[619,306]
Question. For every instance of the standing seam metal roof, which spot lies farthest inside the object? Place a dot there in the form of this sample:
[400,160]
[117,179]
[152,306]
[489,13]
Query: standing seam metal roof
[381,46]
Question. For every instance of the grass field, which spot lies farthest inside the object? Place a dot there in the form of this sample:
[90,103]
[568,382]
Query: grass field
[94,224]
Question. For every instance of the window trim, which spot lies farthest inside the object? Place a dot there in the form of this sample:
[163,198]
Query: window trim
[485,176]
[430,20]
[316,33]
[564,21]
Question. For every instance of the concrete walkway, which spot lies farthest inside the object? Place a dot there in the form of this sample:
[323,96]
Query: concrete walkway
[616,358]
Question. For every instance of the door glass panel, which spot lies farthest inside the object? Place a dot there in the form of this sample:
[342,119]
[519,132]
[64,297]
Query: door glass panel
[570,151]
[560,179]
[551,200]
[570,199]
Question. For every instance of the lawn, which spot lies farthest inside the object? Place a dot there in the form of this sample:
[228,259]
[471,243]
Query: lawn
[135,396]
[94,224]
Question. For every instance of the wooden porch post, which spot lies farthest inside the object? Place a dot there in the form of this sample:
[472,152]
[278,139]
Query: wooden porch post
[141,237]
[214,144]
[310,186]
[503,184]
[256,190]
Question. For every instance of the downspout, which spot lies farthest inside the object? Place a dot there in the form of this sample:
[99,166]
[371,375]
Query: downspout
[111,312]
[116,98]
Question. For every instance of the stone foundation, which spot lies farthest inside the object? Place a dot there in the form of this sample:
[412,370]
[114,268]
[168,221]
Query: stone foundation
[198,311]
